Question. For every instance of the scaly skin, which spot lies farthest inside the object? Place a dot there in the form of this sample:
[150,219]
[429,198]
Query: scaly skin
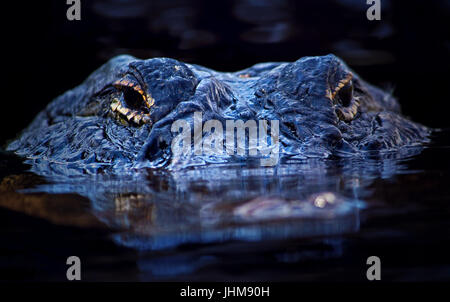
[121,115]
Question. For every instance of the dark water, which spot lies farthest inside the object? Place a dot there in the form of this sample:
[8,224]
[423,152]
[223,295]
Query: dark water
[309,220]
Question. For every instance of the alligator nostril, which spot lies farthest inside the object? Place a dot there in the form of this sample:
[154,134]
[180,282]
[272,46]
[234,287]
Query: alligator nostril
[332,135]
[291,127]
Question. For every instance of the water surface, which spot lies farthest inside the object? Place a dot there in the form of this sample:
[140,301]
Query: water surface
[303,220]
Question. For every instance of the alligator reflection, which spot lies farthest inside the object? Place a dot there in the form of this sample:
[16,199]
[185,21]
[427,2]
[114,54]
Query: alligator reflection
[156,209]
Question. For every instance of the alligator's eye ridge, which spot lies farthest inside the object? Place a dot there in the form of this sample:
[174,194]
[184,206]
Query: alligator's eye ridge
[345,94]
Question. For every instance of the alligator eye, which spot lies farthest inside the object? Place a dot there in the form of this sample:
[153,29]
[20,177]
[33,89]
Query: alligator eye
[134,100]
[345,94]
[131,103]
[346,104]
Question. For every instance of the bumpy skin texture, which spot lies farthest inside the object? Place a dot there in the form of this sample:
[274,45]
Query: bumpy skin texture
[323,108]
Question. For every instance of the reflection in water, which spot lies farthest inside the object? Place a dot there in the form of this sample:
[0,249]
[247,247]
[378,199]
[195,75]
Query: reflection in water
[154,210]
[162,214]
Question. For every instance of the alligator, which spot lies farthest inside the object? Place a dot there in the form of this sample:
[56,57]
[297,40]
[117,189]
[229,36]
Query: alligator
[123,114]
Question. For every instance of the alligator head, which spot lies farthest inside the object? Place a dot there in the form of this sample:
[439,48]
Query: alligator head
[123,113]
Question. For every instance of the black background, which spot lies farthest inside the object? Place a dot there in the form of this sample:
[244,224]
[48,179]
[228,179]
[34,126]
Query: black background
[406,52]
